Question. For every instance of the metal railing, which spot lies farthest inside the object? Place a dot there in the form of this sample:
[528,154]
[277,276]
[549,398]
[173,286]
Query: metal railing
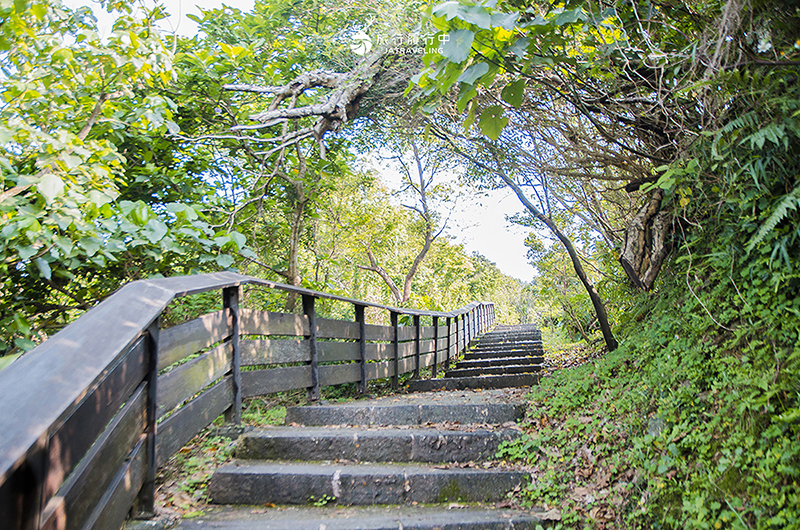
[88,416]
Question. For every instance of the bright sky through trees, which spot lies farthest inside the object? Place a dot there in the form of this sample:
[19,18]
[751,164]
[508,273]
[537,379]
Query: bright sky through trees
[478,221]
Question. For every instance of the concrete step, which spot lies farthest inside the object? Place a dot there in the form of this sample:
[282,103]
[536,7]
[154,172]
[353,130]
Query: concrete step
[498,361]
[413,409]
[353,518]
[508,345]
[257,482]
[484,381]
[372,445]
[494,370]
[533,334]
[485,355]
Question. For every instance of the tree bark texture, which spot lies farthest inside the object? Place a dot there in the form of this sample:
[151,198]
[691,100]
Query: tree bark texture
[645,245]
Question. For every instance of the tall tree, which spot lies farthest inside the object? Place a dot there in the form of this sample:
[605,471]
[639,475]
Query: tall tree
[76,111]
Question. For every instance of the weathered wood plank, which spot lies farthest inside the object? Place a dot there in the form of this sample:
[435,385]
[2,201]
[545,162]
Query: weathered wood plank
[426,332]
[378,352]
[113,508]
[330,351]
[380,370]
[274,351]
[339,373]
[426,346]
[88,483]
[426,360]
[379,333]
[337,329]
[263,382]
[253,322]
[405,349]
[186,380]
[74,438]
[180,341]
[406,333]
[406,365]
[175,431]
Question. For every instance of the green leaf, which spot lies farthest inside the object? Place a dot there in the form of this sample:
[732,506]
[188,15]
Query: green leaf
[155,230]
[50,187]
[26,252]
[458,45]
[44,268]
[507,21]
[470,117]
[140,213]
[238,239]
[99,198]
[570,17]
[513,93]
[519,47]
[475,15]
[224,260]
[465,97]
[472,73]
[8,359]
[492,121]
[449,10]
[91,245]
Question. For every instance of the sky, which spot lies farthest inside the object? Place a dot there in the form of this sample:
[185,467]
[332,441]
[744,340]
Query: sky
[477,221]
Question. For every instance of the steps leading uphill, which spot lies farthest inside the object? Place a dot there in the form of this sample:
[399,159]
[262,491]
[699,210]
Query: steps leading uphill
[509,356]
[423,460]
[413,461]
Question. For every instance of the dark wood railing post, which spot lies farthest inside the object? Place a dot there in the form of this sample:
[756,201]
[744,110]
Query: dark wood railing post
[449,341]
[416,347]
[145,506]
[308,310]
[230,301]
[396,347]
[458,345]
[435,344]
[465,321]
[362,346]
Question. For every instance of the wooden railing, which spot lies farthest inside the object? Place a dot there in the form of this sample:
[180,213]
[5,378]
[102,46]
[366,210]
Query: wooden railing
[88,416]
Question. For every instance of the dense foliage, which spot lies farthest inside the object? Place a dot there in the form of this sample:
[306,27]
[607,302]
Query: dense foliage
[136,156]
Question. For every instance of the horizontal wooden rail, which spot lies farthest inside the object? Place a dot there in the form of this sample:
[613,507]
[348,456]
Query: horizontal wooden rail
[87,416]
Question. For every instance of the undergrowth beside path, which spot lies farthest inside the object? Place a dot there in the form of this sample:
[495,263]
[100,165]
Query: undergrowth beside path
[686,425]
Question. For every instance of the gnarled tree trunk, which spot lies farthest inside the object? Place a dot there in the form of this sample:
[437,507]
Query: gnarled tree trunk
[645,244]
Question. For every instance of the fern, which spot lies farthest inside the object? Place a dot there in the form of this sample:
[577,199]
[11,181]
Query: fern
[785,205]
[748,119]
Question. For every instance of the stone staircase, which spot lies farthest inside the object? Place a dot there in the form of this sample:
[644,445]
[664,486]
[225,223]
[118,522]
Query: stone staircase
[422,461]
[508,356]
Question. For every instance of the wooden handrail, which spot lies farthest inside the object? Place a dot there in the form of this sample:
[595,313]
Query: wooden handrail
[78,440]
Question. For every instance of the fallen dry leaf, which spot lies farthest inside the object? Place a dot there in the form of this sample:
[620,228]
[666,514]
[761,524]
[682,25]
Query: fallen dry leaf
[553,514]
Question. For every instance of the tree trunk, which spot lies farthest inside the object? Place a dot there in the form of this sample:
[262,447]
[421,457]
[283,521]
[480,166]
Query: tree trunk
[597,302]
[645,244]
